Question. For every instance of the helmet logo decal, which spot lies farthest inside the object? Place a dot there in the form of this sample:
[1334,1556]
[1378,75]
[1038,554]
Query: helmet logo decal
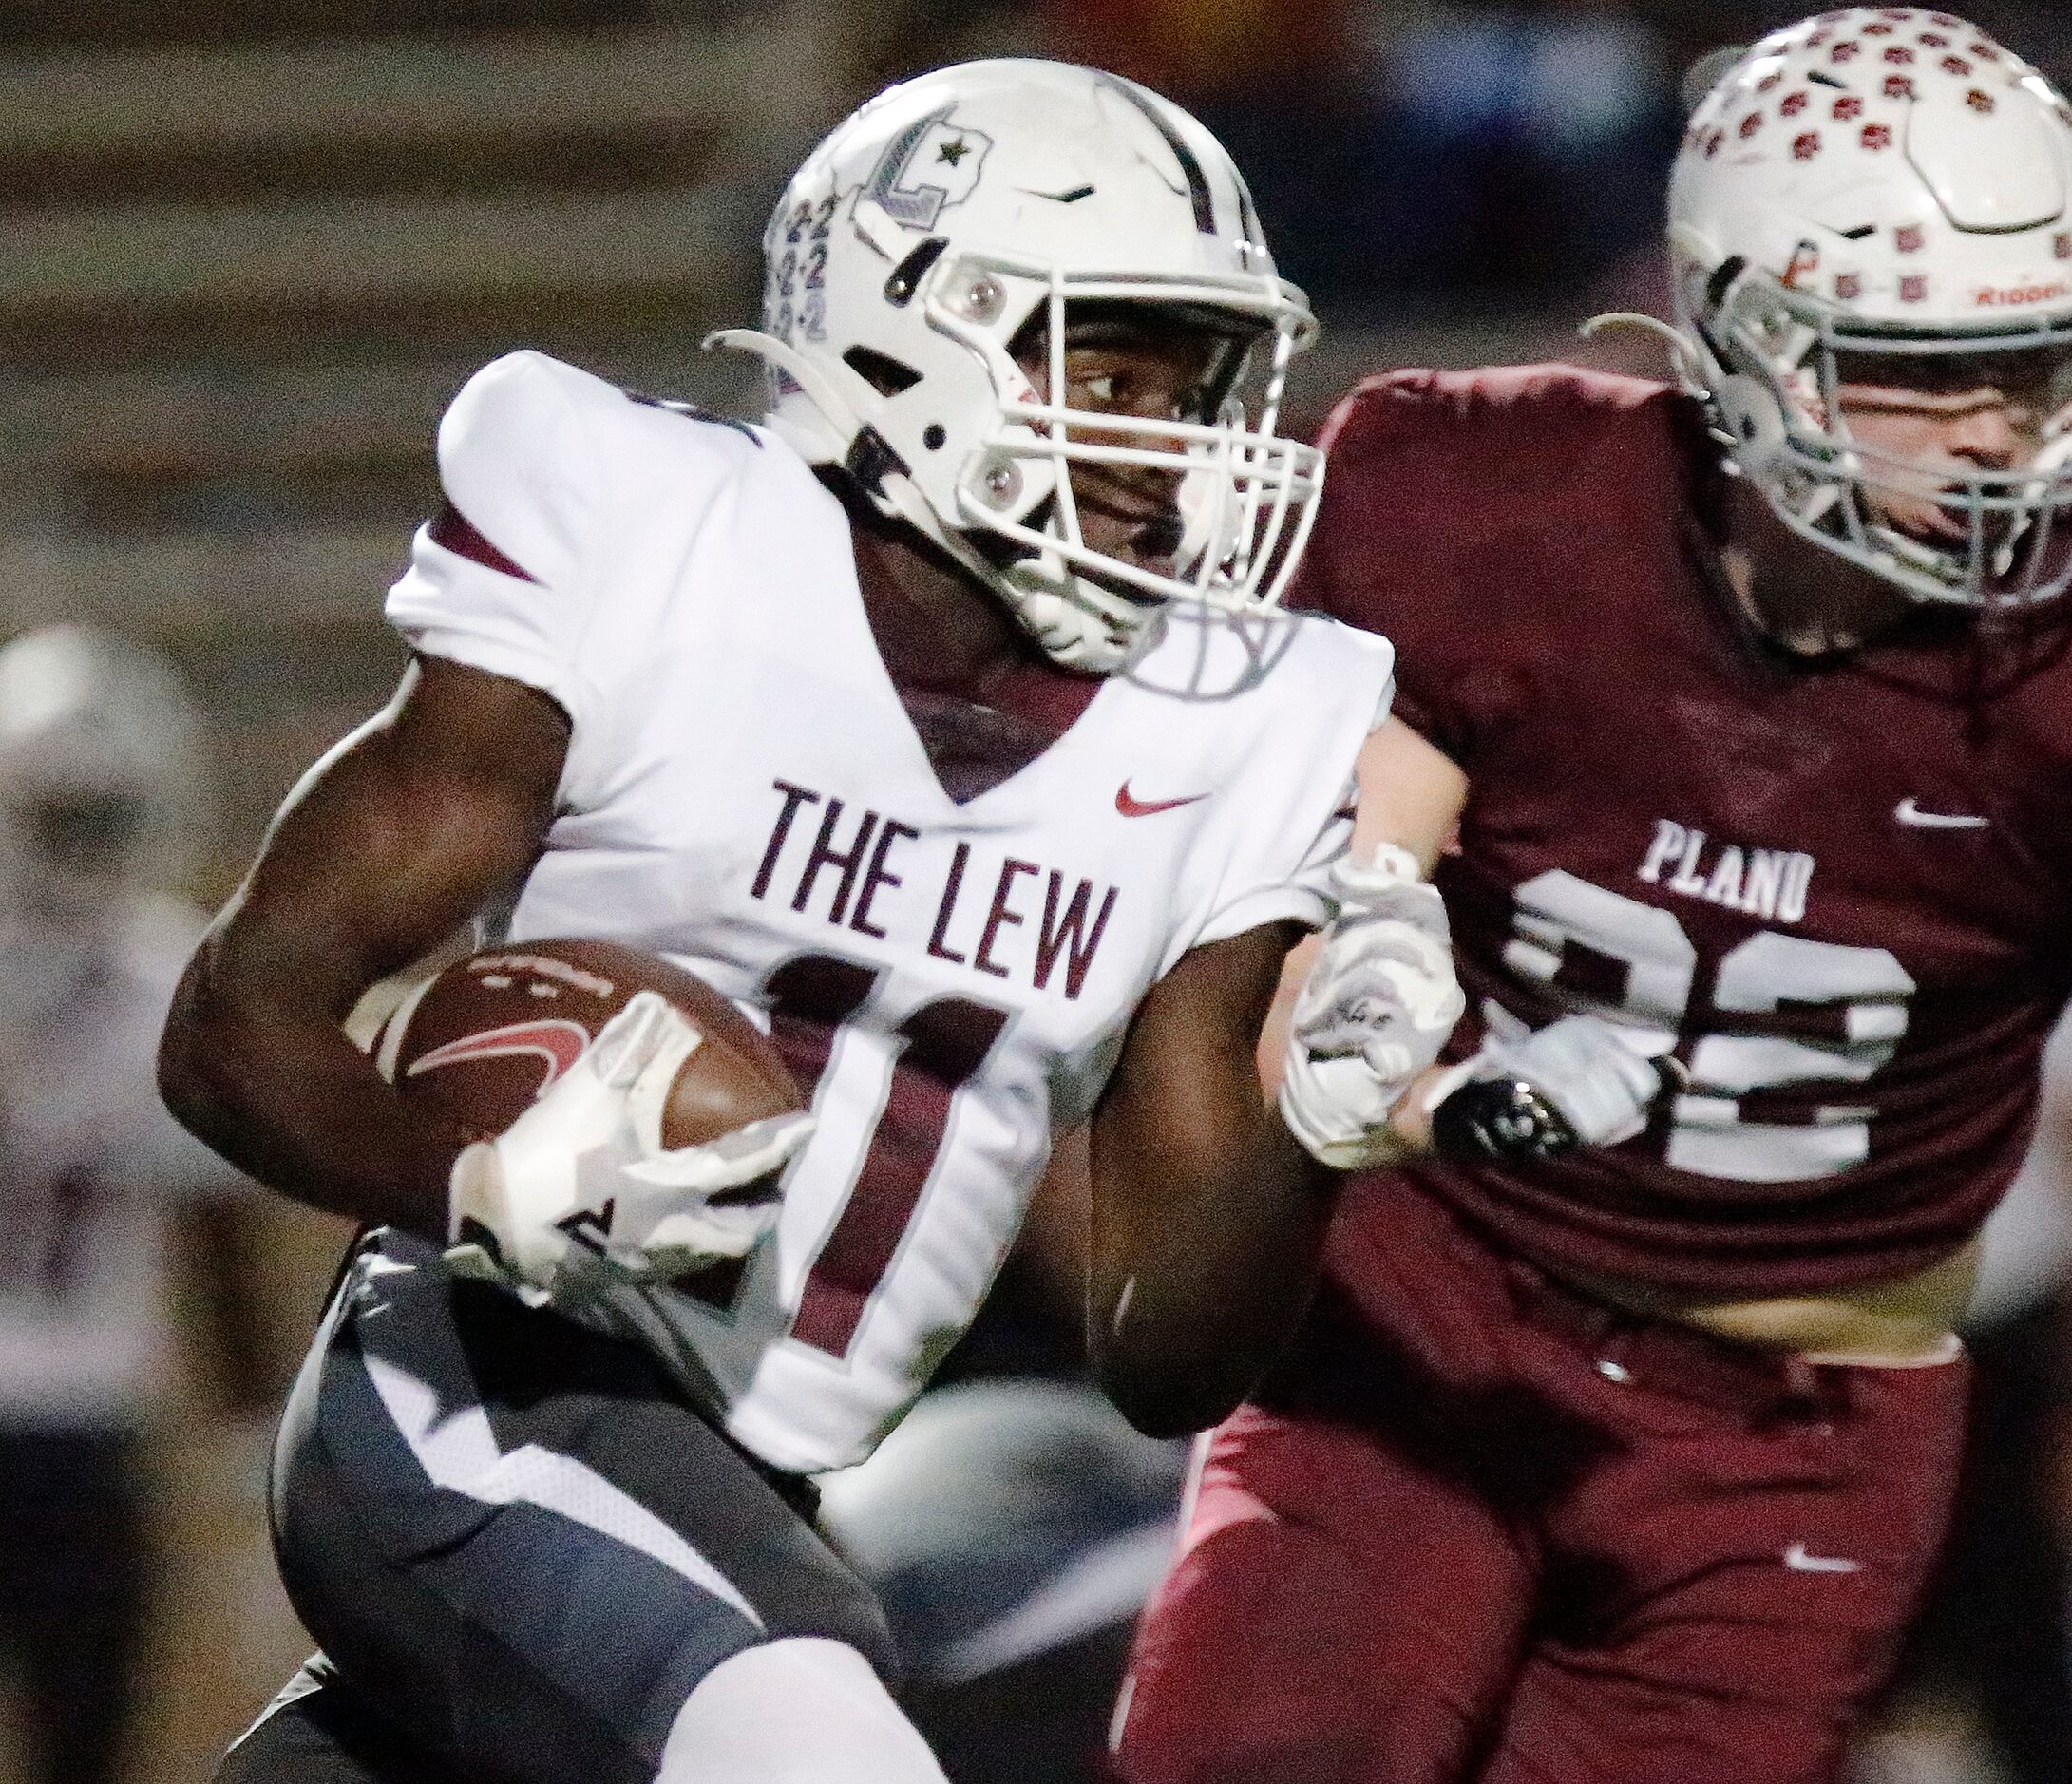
[929,166]
[1999,294]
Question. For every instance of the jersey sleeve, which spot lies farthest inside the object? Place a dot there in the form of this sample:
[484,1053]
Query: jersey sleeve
[1296,797]
[1378,558]
[1453,518]
[503,577]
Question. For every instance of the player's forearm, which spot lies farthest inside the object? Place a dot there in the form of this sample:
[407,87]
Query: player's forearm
[275,1087]
[1195,1297]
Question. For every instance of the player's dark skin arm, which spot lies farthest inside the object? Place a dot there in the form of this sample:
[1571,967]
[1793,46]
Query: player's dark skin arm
[389,845]
[1208,1219]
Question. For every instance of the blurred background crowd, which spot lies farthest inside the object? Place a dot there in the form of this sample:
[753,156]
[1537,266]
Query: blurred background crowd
[253,246]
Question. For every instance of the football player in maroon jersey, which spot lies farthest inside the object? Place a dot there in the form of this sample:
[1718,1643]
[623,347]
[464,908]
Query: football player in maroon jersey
[1619,1439]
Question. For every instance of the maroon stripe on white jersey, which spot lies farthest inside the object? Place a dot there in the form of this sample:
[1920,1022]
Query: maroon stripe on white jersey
[457,533]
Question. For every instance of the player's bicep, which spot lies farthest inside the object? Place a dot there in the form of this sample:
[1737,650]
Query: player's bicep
[1410,794]
[1206,1218]
[416,820]
[1184,1096]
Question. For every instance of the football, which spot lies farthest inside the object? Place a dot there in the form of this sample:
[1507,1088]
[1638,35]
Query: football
[481,1039]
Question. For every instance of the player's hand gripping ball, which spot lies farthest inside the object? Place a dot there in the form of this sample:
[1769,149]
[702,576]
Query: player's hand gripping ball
[633,1124]
[1377,1005]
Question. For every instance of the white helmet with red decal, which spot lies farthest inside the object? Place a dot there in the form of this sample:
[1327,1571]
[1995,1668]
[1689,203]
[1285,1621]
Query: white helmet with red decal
[954,212]
[1889,182]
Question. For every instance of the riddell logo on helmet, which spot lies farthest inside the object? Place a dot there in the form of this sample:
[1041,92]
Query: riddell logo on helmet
[1999,296]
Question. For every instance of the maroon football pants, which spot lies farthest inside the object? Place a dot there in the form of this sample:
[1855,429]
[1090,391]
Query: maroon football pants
[1479,1527]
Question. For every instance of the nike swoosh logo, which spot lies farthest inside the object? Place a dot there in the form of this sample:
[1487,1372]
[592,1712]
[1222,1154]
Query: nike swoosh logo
[1060,198]
[1800,1561]
[555,1041]
[1908,812]
[1133,807]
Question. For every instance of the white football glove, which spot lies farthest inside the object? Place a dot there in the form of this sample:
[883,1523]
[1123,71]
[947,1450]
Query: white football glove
[1377,1005]
[578,1191]
[1536,1093]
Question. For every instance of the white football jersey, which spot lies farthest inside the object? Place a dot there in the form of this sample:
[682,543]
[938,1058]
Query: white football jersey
[89,1165]
[746,793]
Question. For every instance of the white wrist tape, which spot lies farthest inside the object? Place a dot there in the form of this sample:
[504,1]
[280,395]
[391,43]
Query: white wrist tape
[1377,1005]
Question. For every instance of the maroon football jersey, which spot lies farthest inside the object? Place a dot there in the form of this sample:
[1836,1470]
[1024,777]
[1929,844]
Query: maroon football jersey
[1838,888]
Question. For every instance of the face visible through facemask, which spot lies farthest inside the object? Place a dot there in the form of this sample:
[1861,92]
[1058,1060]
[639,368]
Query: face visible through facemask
[69,863]
[1933,423]
[1148,362]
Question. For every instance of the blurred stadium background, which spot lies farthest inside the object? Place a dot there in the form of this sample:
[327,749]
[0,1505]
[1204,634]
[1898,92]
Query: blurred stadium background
[251,247]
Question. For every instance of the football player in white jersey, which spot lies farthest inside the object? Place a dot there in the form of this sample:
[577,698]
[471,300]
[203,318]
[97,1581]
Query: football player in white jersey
[943,719]
[99,1189]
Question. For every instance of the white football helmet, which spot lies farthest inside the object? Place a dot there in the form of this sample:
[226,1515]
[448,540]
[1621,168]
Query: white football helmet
[917,243]
[1884,181]
[100,764]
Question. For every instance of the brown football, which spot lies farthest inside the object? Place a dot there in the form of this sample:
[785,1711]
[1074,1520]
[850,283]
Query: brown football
[481,1040]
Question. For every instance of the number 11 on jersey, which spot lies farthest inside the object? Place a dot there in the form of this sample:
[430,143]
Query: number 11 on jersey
[941,1047]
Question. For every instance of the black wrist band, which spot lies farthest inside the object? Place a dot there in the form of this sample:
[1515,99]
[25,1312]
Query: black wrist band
[1502,1118]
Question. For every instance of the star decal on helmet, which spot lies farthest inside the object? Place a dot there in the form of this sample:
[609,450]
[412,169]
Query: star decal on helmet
[926,169]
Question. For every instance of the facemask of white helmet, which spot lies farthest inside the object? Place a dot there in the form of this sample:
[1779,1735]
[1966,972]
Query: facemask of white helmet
[1871,220]
[963,216]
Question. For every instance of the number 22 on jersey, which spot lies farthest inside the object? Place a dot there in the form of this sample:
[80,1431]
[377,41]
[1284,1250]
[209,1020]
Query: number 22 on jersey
[1814,1013]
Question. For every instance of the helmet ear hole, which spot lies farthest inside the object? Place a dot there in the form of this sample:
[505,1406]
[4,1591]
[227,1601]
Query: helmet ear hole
[884,374]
